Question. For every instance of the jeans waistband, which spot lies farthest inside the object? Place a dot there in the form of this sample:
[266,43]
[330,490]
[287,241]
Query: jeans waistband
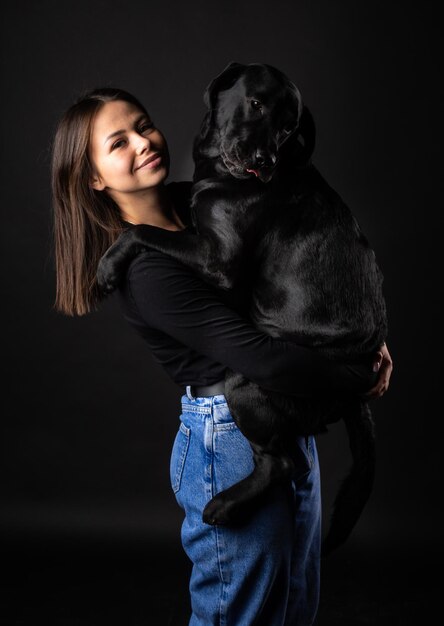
[203,391]
[215,406]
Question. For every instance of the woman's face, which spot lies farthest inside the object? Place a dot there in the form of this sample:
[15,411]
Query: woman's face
[127,151]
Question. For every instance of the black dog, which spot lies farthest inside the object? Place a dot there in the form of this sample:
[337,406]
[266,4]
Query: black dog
[265,219]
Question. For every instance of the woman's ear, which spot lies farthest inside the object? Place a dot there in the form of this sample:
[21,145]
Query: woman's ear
[97,183]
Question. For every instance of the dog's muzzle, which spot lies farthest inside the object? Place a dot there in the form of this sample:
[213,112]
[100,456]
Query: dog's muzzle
[265,174]
[241,165]
[261,168]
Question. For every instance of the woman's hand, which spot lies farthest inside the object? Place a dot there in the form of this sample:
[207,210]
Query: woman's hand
[384,365]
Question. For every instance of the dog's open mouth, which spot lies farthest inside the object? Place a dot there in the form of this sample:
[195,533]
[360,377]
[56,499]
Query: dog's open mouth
[255,172]
[237,167]
[264,174]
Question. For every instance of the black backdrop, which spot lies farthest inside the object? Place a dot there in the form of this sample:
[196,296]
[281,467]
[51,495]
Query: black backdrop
[88,416]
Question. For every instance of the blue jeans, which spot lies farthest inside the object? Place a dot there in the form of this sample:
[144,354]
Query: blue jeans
[266,571]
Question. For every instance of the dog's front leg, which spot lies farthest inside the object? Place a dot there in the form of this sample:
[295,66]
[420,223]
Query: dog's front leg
[202,253]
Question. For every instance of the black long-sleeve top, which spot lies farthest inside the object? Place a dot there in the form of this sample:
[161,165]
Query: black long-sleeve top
[194,335]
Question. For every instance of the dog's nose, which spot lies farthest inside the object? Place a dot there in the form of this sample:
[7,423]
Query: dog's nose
[262,158]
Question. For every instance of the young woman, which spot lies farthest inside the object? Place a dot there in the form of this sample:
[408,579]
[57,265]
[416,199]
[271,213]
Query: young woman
[109,168]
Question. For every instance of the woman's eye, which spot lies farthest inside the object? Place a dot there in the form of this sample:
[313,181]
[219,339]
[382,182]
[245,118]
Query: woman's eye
[145,127]
[255,104]
[118,144]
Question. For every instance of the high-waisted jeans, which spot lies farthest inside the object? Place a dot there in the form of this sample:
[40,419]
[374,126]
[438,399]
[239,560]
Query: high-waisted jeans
[266,571]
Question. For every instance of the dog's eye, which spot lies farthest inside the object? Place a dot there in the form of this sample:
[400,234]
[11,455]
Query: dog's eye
[255,104]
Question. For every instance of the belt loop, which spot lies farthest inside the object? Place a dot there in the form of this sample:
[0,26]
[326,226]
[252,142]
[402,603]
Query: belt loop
[188,392]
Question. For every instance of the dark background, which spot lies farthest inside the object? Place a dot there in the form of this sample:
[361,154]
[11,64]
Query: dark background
[89,526]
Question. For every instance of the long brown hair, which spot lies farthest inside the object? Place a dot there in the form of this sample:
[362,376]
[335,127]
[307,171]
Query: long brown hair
[86,221]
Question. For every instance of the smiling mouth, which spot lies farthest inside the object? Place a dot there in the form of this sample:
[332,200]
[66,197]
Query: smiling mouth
[151,162]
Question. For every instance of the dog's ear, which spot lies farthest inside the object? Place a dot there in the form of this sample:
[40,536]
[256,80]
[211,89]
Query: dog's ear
[299,148]
[224,80]
[307,132]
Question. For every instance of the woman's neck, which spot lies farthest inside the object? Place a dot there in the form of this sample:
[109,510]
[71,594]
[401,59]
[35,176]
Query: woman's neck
[153,207]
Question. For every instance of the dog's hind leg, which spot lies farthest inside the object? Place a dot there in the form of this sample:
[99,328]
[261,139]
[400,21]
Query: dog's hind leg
[234,504]
[260,422]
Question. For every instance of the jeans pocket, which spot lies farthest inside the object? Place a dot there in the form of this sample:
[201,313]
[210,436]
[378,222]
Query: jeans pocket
[178,456]
[233,456]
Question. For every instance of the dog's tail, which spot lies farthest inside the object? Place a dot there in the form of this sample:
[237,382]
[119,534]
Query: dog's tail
[357,486]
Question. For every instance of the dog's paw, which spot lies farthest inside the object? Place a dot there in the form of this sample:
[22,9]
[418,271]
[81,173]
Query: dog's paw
[220,511]
[215,513]
[108,277]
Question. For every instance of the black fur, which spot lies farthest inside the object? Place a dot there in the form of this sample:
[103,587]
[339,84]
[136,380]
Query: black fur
[267,222]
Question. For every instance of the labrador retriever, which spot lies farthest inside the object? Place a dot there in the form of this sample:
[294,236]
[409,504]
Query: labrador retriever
[265,218]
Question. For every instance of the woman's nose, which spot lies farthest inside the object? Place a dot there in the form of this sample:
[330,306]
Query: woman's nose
[142,145]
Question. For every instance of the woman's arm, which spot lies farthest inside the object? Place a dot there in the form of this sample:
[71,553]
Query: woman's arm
[171,298]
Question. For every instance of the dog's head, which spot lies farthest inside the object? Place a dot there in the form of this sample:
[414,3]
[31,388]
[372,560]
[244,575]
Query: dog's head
[254,110]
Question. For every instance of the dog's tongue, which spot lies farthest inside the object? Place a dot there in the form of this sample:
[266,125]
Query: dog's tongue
[255,172]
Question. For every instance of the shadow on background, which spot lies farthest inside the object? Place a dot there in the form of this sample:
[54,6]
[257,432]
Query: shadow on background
[92,581]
